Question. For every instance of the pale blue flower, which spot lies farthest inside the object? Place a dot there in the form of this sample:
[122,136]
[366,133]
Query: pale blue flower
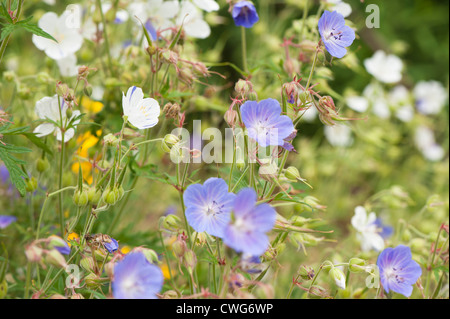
[335,34]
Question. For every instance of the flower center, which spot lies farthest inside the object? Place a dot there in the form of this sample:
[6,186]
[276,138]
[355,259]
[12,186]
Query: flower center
[391,274]
[336,35]
[214,209]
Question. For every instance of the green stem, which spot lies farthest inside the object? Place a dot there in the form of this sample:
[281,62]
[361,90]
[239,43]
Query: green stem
[244,50]
[105,37]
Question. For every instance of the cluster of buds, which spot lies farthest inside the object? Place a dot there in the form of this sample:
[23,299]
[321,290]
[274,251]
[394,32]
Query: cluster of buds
[48,251]
[170,223]
[3,117]
[306,272]
[328,114]
[172,110]
[244,89]
[83,72]
[66,93]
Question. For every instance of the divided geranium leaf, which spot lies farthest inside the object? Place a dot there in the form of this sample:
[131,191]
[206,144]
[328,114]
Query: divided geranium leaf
[16,173]
[34,28]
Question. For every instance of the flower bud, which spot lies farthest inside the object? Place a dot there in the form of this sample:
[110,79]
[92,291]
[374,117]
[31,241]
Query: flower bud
[42,164]
[33,253]
[55,242]
[87,90]
[77,296]
[168,142]
[170,222]
[268,171]
[94,195]
[31,184]
[88,264]
[81,198]
[231,117]
[190,260]
[170,294]
[179,247]
[292,174]
[357,265]
[110,196]
[306,272]
[92,280]
[110,139]
[54,258]
[172,110]
[338,276]
[243,87]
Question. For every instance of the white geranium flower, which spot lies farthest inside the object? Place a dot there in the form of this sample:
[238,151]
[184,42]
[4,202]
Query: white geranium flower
[142,113]
[48,108]
[339,135]
[357,103]
[399,100]
[368,234]
[68,65]
[207,5]
[385,68]
[425,142]
[156,15]
[375,95]
[341,7]
[62,29]
[192,19]
[430,97]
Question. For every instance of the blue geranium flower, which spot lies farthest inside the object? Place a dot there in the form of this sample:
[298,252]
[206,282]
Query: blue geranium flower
[247,231]
[335,34]
[208,206]
[264,122]
[398,272]
[136,278]
[6,220]
[384,230]
[112,246]
[244,14]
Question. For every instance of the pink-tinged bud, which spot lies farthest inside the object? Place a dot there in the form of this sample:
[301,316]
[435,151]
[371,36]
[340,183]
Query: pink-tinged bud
[57,296]
[109,269]
[306,272]
[77,296]
[201,69]
[190,260]
[231,117]
[33,253]
[88,264]
[243,87]
[172,110]
[54,258]
[170,294]
[179,247]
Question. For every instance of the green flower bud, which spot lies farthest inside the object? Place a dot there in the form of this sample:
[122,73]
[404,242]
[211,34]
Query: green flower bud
[168,142]
[190,260]
[170,294]
[171,222]
[306,272]
[77,296]
[94,195]
[110,139]
[93,281]
[31,184]
[357,265]
[81,199]
[292,174]
[54,258]
[88,90]
[179,248]
[42,164]
[240,166]
[338,276]
[110,196]
[88,264]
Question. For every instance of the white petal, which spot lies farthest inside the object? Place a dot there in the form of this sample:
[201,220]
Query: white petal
[197,29]
[44,129]
[207,5]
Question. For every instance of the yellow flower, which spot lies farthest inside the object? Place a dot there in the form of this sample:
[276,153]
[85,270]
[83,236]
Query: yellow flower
[125,250]
[86,141]
[91,105]
[165,271]
[72,236]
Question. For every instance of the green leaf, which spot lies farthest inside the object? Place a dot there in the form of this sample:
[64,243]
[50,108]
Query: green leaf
[33,28]
[13,165]
[38,142]
[4,13]
[7,30]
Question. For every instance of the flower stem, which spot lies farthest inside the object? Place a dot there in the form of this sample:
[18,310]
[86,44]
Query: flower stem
[244,50]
